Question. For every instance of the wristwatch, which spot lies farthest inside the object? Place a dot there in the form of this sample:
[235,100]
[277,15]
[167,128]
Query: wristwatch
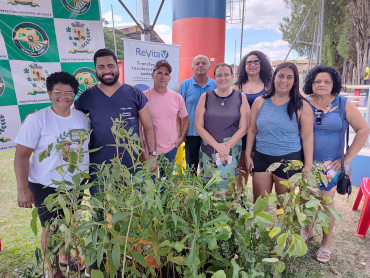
[153,153]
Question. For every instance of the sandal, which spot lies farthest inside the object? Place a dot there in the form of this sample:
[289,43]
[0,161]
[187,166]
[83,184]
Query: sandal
[323,255]
[73,265]
[306,238]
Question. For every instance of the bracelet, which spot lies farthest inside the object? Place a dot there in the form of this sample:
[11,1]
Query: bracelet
[308,166]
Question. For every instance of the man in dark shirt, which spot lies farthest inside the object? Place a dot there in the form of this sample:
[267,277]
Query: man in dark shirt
[108,100]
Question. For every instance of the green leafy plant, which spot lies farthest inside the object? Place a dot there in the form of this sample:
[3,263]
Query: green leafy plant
[177,225]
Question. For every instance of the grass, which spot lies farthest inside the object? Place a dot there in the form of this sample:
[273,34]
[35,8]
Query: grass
[350,257]
[18,242]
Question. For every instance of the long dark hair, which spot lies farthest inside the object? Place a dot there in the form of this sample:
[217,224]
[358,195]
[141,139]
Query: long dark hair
[296,100]
[265,69]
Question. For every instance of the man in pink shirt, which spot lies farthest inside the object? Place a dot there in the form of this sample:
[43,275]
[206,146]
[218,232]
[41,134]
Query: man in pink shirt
[165,106]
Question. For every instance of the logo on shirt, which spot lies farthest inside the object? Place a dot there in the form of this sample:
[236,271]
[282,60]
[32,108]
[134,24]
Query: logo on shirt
[86,77]
[77,6]
[2,85]
[2,129]
[71,140]
[31,39]
[24,3]
[79,37]
[36,76]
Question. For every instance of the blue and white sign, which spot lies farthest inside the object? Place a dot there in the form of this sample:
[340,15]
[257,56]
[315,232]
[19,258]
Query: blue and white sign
[140,58]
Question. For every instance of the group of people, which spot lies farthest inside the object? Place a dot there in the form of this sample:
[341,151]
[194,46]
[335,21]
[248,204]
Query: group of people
[239,129]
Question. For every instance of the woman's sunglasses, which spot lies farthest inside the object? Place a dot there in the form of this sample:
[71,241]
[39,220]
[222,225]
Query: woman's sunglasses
[318,116]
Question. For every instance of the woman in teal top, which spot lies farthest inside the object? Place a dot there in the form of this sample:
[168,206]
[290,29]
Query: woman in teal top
[323,85]
[281,126]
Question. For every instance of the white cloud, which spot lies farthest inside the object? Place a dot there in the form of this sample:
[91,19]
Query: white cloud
[108,16]
[165,32]
[259,14]
[276,50]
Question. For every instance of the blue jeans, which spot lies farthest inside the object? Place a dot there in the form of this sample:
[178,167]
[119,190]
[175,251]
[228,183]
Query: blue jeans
[171,155]
[192,147]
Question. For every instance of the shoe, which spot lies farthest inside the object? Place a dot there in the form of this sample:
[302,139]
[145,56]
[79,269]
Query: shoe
[73,265]
[89,268]
[306,238]
[323,255]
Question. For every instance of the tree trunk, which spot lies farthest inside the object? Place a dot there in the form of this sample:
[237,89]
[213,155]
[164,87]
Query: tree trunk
[360,19]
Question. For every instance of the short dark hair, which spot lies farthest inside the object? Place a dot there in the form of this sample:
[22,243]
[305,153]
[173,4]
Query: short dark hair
[61,77]
[310,78]
[222,65]
[104,52]
[265,71]
[296,100]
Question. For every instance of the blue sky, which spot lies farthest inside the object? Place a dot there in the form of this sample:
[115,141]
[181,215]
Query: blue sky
[261,27]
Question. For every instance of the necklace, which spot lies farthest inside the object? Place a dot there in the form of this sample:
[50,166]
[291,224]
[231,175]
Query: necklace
[222,99]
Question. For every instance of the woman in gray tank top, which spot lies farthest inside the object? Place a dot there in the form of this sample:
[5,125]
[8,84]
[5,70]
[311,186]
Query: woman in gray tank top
[281,124]
[221,119]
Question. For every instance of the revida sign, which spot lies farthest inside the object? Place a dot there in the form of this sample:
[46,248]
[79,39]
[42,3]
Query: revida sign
[140,58]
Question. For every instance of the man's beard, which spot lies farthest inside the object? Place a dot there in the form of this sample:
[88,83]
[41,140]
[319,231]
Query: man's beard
[111,82]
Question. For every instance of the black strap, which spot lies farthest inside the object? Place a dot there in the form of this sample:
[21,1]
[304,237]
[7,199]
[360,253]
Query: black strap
[343,131]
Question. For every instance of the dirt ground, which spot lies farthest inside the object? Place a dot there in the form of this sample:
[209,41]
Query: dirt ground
[351,254]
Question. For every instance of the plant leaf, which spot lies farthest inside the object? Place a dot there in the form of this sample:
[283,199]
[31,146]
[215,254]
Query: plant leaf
[139,258]
[116,256]
[219,274]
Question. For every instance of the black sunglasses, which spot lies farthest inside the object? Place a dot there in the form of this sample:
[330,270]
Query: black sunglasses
[318,114]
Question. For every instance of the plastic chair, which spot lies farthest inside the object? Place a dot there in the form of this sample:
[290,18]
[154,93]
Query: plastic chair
[364,222]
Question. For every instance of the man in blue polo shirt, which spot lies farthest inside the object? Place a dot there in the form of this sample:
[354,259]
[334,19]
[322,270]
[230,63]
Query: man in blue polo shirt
[109,100]
[191,89]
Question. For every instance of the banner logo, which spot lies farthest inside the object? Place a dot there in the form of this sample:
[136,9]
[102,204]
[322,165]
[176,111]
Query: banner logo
[86,77]
[164,54]
[77,6]
[2,85]
[152,54]
[36,76]
[2,129]
[80,38]
[24,3]
[31,39]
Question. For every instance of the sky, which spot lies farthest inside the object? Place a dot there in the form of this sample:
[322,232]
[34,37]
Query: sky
[261,26]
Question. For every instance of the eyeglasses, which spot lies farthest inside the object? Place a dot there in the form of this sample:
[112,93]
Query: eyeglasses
[60,93]
[326,83]
[318,116]
[255,62]
[223,75]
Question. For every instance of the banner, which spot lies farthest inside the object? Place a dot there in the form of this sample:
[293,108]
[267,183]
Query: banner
[37,38]
[140,58]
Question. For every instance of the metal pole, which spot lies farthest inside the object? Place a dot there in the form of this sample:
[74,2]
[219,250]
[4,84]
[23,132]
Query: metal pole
[156,17]
[241,42]
[130,14]
[310,63]
[321,28]
[235,58]
[300,29]
[144,14]
[114,32]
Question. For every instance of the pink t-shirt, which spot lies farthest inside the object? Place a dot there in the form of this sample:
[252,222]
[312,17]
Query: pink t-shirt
[164,108]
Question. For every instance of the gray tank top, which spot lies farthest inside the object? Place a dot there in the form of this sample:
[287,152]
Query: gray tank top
[222,121]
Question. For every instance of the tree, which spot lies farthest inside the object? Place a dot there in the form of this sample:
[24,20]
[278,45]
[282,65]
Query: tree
[336,45]
[109,39]
[360,19]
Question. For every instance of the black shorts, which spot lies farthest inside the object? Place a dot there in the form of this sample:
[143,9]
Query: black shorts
[40,192]
[263,161]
